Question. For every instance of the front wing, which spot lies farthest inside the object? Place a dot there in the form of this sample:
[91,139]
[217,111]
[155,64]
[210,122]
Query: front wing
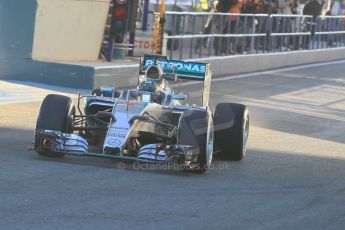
[72,144]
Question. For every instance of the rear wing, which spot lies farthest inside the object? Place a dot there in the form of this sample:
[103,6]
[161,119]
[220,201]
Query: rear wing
[182,69]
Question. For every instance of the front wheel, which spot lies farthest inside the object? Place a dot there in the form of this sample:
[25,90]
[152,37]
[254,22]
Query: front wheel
[231,125]
[56,113]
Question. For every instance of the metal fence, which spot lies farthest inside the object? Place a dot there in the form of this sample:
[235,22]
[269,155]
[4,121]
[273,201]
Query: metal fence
[195,35]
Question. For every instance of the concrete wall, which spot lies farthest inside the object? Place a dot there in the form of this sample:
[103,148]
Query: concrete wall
[222,66]
[17,19]
[69,30]
[51,73]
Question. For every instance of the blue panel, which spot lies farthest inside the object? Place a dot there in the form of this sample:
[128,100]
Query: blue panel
[187,70]
[17,22]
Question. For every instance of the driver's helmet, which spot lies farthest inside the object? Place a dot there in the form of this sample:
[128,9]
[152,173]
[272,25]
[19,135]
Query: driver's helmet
[154,72]
[153,76]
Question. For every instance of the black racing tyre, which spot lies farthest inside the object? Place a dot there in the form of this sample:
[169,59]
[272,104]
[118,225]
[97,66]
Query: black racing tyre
[193,130]
[56,113]
[98,92]
[231,130]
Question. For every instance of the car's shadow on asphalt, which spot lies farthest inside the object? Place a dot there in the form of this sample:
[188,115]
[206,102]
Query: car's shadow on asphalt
[116,165]
[257,163]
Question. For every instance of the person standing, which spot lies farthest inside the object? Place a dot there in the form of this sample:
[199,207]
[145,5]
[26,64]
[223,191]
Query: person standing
[312,8]
[285,23]
[216,24]
[208,26]
[248,7]
[227,25]
[232,45]
[336,9]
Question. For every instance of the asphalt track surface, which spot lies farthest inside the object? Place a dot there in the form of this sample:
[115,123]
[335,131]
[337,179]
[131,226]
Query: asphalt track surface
[293,176]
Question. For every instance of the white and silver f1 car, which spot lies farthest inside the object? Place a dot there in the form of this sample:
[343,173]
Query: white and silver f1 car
[149,124]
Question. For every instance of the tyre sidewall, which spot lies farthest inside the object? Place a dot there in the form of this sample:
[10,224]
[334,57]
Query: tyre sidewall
[229,122]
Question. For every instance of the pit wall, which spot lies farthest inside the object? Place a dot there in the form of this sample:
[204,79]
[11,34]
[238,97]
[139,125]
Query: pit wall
[222,66]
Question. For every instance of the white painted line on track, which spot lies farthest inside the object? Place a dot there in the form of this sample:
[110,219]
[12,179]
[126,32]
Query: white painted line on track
[214,58]
[247,75]
[116,66]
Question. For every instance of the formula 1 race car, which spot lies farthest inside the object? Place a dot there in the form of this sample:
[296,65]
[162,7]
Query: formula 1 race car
[149,124]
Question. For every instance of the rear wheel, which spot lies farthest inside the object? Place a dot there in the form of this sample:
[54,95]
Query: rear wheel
[56,113]
[195,129]
[231,124]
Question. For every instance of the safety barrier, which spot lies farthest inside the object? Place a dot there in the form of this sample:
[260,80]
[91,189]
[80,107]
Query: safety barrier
[199,34]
